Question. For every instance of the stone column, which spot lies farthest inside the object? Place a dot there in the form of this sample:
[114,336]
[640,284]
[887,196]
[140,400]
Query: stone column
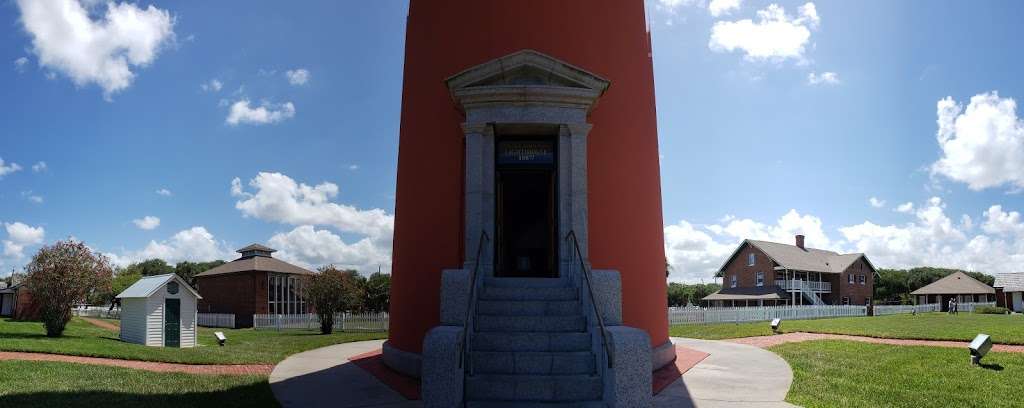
[479,193]
[572,190]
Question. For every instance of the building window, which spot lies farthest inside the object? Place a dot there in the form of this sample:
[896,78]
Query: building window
[733,281]
[751,259]
[860,279]
[849,278]
[284,294]
[846,300]
[760,279]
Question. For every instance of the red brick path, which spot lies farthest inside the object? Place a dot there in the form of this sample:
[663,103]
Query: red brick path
[228,369]
[769,341]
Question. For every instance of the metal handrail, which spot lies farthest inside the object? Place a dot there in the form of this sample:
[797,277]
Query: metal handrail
[590,289]
[463,352]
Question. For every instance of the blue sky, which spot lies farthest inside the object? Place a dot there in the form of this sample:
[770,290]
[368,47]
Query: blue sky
[775,118]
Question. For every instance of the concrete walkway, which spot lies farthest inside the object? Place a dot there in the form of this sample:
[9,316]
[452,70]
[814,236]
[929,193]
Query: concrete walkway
[324,377]
[734,375]
[768,341]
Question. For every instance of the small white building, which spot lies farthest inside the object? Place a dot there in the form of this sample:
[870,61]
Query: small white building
[159,311]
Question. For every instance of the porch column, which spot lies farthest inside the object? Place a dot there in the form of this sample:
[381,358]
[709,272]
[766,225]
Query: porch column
[572,191]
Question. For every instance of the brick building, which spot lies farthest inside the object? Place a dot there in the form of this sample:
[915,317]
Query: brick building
[255,283]
[762,273]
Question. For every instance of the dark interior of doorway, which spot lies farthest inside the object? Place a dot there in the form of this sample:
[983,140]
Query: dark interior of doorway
[526,215]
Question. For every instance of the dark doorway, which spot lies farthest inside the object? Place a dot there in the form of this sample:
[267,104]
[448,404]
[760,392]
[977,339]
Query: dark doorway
[172,323]
[526,209]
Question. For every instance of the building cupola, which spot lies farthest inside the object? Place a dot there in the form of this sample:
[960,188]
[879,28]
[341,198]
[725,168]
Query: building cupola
[256,250]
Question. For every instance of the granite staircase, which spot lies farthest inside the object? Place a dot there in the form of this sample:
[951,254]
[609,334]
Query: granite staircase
[531,346]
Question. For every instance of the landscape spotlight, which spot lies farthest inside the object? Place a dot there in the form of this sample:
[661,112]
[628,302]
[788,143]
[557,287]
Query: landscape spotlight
[979,347]
[220,338]
[775,324]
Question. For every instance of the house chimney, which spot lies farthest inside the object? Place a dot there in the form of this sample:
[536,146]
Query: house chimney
[800,241]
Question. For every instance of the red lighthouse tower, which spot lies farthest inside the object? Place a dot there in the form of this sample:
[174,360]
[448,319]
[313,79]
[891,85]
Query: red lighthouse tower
[528,212]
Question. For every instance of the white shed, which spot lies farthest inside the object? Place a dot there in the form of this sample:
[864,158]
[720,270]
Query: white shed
[159,311]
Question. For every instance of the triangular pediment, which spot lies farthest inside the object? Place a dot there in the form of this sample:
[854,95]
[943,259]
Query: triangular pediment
[527,68]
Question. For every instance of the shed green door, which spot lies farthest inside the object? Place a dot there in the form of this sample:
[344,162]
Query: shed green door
[172,323]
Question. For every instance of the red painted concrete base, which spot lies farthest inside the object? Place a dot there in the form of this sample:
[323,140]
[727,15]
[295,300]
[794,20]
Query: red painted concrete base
[685,360]
[409,387]
[373,363]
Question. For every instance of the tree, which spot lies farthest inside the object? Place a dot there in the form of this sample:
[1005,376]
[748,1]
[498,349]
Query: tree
[151,267]
[331,291]
[378,292]
[60,276]
[188,270]
[123,278]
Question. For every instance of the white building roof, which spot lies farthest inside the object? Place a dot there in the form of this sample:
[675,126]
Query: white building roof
[145,287]
[1010,282]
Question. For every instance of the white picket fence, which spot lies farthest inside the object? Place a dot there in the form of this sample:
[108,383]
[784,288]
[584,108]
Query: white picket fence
[882,310]
[969,307]
[216,320]
[347,322]
[103,312]
[694,315]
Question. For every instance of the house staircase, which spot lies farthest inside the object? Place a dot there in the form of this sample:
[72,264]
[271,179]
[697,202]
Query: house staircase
[810,295]
[530,344]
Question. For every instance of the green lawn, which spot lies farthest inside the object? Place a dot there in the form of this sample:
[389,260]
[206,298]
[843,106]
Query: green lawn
[244,346]
[1005,329]
[51,384]
[854,374]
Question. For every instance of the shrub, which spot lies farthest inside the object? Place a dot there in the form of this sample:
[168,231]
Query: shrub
[331,291]
[64,274]
[991,310]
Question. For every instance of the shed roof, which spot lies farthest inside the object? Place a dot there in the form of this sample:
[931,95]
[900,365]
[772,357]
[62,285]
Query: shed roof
[256,263]
[956,283]
[145,287]
[1010,282]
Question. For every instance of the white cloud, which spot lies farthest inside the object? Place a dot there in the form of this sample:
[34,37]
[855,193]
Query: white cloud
[19,236]
[20,63]
[309,247]
[164,192]
[66,39]
[693,254]
[39,167]
[298,76]
[148,222]
[982,144]
[242,113]
[825,78]
[776,36]
[6,169]
[194,244]
[213,85]
[719,8]
[278,198]
[875,202]
[907,208]
[30,196]
[1001,222]
[353,167]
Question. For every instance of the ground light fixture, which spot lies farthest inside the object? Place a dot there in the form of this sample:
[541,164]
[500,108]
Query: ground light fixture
[220,338]
[775,324]
[979,347]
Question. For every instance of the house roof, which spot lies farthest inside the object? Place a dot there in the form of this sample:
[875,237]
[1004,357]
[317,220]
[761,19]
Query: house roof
[1010,282]
[145,287]
[11,289]
[256,247]
[956,283]
[805,259]
[256,263]
[747,293]
[726,296]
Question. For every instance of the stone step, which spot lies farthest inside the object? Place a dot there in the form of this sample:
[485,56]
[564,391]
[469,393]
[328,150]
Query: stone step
[524,282]
[503,341]
[520,324]
[528,308]
[528,293]
[533,388]
[507,404]
[547,363]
